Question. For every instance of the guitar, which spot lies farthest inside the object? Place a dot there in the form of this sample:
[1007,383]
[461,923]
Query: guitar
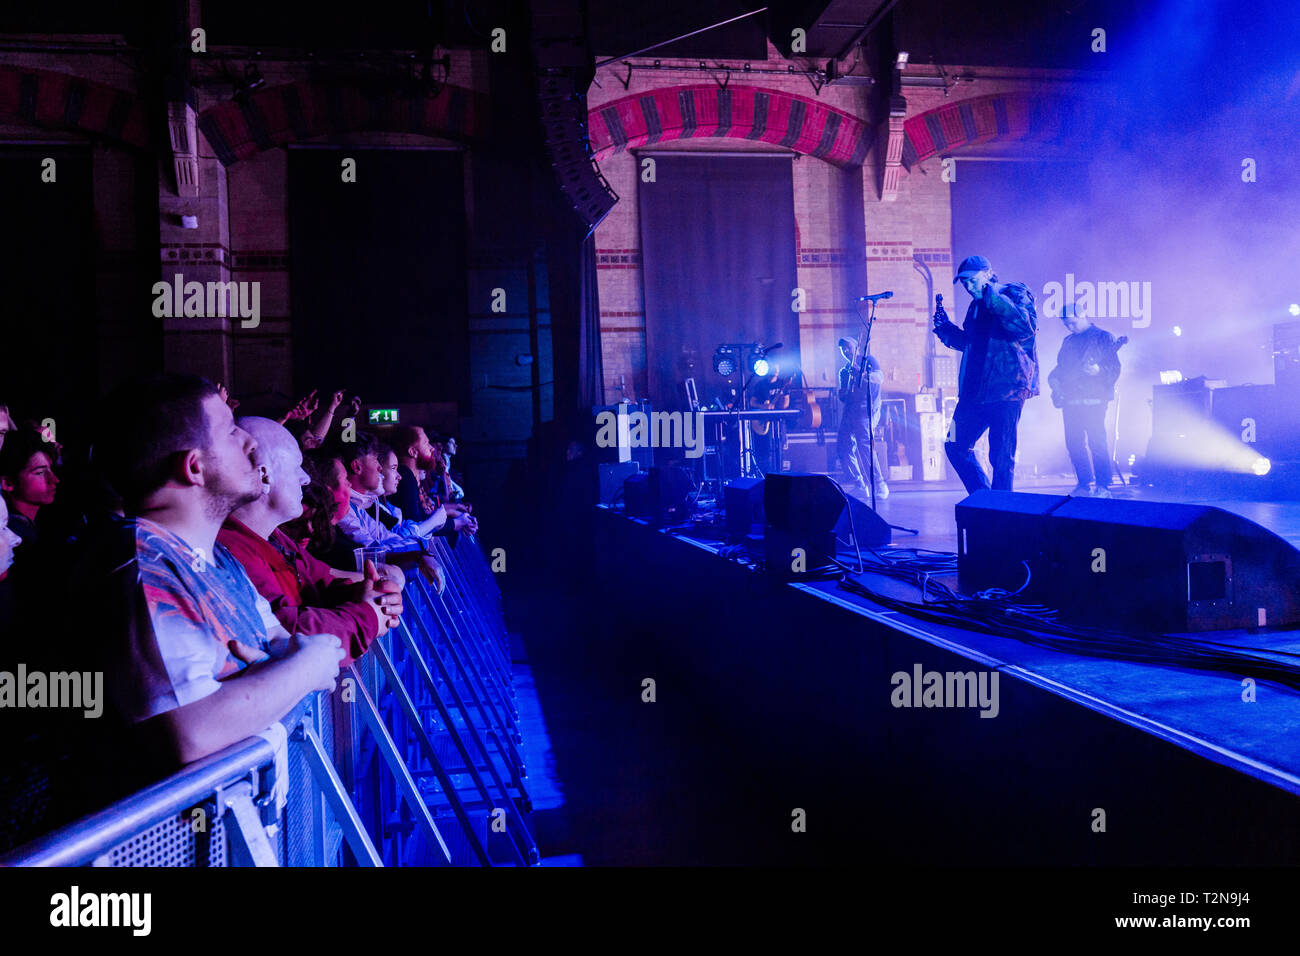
[1058,400]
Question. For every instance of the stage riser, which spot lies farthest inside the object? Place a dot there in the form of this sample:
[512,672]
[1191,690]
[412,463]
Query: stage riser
[797,692]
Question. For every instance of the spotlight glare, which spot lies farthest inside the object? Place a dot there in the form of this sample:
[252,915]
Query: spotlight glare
[1172,377]
[1261,466]
[1295,309]
[1178,330]
[761,367]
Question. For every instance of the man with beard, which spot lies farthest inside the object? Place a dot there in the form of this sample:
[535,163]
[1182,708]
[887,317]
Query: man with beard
[417,458]
[193,656]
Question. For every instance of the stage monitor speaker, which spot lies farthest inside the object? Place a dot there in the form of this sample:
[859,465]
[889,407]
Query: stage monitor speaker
[613,477]
[998,534]
[661,495]
[806,512]
[1162,567]
[743,500]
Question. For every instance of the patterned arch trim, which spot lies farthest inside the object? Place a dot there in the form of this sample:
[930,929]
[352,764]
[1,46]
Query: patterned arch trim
[53,100]
[739,112]
[295,112]
[985,119]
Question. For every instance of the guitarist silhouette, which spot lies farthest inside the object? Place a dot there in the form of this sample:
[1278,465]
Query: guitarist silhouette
[1083,384]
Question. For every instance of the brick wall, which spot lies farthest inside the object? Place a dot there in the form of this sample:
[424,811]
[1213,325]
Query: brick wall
[841,253]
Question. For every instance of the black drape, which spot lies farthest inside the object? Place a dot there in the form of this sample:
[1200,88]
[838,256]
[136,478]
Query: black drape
[591,367]
[718,264]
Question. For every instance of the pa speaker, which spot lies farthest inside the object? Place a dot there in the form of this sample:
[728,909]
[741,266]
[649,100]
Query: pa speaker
[806,511]
[1157,566]
[662,495]
[1002,541]
[744,507]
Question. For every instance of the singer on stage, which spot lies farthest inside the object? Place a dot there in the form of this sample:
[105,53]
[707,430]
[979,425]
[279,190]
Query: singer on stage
[854,441]
[999,371]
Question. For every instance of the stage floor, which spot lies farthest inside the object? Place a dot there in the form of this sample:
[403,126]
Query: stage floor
[1203,712]
[931,511]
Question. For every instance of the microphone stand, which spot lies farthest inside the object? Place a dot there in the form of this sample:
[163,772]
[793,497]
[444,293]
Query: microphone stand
[864,376]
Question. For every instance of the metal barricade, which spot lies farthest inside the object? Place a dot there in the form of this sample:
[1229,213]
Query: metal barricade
[413,760]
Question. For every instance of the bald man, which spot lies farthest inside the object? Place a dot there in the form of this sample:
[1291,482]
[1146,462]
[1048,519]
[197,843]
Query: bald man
[304,593]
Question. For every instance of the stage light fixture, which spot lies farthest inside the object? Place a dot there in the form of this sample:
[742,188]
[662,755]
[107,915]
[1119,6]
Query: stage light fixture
[1262,466]
[1172,377]
[724,362]
[760,366]
[1178,330]
[1294,309]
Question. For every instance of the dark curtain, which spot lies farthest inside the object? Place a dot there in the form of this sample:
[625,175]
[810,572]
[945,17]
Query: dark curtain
[591,367]
[378,275]
[718,264]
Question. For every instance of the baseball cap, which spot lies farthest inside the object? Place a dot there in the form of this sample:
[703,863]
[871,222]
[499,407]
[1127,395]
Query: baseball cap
[971,265]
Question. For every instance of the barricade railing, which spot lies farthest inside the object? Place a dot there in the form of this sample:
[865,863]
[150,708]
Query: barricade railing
[413,760]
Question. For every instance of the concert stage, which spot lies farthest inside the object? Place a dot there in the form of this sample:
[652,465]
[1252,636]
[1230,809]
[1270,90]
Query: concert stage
[1075,759]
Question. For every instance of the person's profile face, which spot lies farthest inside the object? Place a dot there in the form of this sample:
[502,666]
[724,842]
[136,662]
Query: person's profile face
[8,540]
[230,455]
[391,475]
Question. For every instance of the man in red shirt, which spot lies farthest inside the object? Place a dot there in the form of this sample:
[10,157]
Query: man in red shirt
[305,594]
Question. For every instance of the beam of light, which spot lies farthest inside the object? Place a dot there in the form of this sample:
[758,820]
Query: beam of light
[1188,440]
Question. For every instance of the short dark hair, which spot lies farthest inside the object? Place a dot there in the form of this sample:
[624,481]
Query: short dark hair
[366,443]
[145,423]
[317,461]
[19,447]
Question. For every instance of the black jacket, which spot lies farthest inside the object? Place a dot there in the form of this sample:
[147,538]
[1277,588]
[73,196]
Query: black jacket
[999,360]
[1071,381]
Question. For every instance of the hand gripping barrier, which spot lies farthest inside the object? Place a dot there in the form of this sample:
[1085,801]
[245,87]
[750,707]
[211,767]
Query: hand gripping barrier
[414,760]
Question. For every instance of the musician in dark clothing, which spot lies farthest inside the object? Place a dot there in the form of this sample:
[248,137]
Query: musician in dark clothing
[855,431]
[999,371]
[1083,384]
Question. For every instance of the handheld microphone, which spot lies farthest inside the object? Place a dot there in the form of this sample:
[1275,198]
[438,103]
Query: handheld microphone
[875,298]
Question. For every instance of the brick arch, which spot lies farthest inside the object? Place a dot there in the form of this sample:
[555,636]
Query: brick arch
[52,100]
[296,112]
[754,113]
[997,117]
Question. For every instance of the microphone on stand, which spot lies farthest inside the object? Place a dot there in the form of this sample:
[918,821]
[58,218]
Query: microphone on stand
[875,298]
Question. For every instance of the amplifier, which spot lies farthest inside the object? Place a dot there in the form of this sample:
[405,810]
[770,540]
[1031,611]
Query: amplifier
[810,452]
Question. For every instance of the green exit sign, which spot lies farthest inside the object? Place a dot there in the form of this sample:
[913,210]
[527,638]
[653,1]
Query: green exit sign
[383,416]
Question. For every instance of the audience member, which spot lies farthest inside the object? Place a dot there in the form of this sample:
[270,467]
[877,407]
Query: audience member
[28,481]
[305,594]
[196,659]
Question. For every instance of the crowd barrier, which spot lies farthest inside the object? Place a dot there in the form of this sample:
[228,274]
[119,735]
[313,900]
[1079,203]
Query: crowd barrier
[413,760]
